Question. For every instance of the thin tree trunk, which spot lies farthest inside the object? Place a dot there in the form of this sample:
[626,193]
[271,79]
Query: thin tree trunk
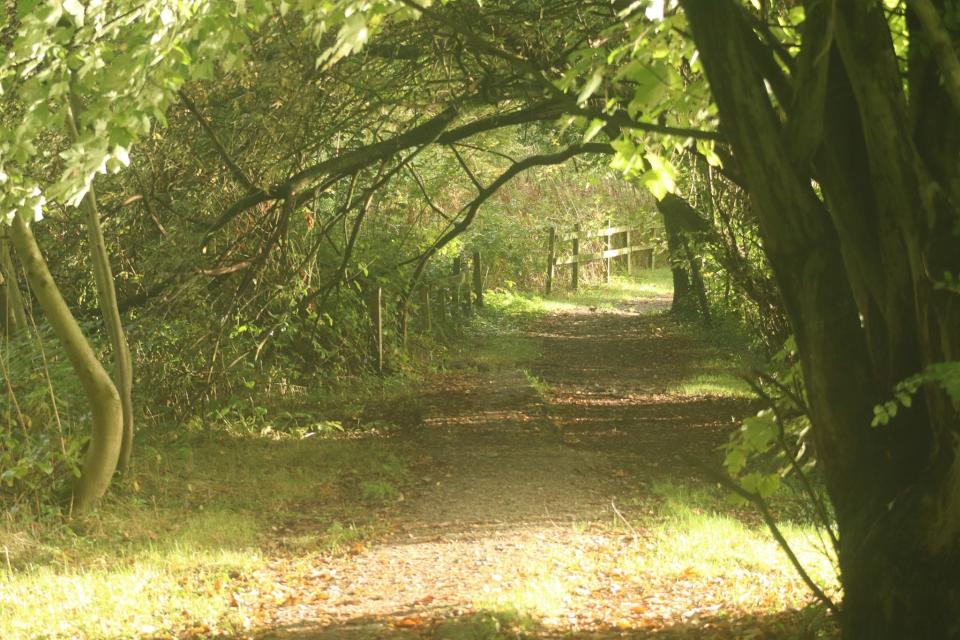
[106,436]
[107,299]
[696,279]
[679,221]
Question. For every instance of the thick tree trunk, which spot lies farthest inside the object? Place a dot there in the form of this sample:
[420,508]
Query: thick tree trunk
[100,461]
[680,221]
[855,273]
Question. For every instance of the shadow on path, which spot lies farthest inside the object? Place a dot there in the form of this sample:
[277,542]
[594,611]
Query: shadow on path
[515,470]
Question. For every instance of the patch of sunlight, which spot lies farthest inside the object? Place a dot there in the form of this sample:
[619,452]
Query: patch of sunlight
[195,548]
[540,593]
[655,283]
[518,304]
[722,384]
[158,590]
[699,540]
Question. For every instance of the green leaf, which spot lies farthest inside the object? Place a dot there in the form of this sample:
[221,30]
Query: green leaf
[596,126]
[596,79]
[75,10]
[661,178]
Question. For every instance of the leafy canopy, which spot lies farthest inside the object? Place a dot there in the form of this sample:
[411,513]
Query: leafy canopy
[81,83]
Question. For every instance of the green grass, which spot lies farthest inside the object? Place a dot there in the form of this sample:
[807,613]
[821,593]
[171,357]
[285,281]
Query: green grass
[198,523]
[726,354]
[535,383]
[691,548]
[715,383]
[515,305]
[707,532]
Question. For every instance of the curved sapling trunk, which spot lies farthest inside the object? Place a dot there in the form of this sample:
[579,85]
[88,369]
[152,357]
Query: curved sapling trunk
[107,299]
[100,461]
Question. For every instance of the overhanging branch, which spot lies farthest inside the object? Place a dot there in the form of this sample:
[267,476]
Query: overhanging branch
[474,206]
[433,130]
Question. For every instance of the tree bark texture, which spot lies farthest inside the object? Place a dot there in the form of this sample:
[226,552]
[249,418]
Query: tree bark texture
[102,453]
[857,266]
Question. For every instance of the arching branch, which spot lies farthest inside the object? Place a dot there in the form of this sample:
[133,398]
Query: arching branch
[474,206]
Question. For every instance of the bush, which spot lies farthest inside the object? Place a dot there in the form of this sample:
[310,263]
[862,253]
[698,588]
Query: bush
[43,416]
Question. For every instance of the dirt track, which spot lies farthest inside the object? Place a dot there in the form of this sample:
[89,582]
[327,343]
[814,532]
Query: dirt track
[513,472]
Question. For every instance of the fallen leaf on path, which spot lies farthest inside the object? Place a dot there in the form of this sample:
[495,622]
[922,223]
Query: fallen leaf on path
[407,623]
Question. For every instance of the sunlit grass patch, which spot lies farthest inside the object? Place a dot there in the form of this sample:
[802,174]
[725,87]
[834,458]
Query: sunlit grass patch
[190,543]
[516,304]
[176,587]
[703,534]
[691,553]
[714,383]
[655,283]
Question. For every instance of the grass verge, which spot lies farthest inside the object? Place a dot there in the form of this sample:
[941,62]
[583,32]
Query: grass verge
[204,539]
[690,557]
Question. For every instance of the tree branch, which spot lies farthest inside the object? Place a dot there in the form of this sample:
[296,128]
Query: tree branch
[484,194]
[940,43]
[234,167]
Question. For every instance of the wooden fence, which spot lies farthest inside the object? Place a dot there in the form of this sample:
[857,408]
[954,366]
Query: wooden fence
[449,295]
[555,241]
[456,294]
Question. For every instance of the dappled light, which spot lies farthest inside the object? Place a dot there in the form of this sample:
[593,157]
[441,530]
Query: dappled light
[535,499]
[479,320]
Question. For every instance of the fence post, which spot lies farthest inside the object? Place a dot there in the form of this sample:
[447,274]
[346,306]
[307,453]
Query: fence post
[607,261]
[404,323]
[551,243]
[425,292]
[629,254]
[378,326]
[576,256]
[477,279]
[458,281]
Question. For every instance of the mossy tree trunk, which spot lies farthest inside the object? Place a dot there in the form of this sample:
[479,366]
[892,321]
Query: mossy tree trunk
[857,266]
[106,436]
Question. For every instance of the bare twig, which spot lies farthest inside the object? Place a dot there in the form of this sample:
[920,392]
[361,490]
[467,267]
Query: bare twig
[235,168]
[761,505]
